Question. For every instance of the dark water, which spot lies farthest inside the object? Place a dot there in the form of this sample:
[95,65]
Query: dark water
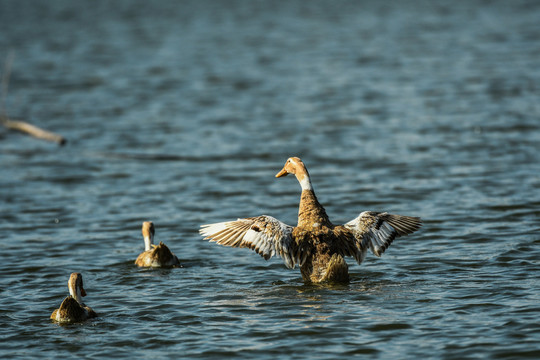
[182,112]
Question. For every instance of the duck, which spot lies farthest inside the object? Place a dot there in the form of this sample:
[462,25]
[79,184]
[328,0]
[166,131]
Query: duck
[155,256]
[73,309]
[315,244]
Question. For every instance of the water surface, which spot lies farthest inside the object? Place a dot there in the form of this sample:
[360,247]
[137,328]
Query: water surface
[182,113]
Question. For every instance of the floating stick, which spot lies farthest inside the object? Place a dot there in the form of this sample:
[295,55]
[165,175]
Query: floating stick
[32,130]
[18,125]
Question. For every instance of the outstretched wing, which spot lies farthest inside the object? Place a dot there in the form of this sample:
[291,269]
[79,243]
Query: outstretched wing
[264,234]
[377,230]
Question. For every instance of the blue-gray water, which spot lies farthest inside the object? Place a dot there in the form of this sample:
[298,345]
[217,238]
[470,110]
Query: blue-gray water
[182,112]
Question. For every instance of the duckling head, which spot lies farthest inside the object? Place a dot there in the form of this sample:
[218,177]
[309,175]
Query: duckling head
[75,285]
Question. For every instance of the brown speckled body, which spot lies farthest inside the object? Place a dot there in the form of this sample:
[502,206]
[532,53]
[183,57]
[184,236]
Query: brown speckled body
[70,311]
[159,256]
[320,241]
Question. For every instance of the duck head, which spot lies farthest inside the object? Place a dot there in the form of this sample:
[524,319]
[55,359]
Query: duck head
[75,285]
[295,166]
[148,234]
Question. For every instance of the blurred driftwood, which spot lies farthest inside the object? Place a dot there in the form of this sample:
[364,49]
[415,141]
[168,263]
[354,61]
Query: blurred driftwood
[18,125]
[32,130]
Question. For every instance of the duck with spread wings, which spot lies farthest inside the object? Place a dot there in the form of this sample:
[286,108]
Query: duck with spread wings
[315,244]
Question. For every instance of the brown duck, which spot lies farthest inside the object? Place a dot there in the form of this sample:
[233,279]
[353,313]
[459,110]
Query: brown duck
[72,308]
[155,256]
[315,244]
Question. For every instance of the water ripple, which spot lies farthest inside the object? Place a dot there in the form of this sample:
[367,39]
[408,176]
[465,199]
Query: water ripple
[182,116]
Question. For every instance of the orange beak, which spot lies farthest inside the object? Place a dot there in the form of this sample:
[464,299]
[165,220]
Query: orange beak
[283,172]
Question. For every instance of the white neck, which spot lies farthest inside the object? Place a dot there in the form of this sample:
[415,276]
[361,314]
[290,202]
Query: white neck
[305,183]
[147,242]
[76,294]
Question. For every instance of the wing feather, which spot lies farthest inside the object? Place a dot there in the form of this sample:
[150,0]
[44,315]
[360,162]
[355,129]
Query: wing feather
[378,230]
[263,234]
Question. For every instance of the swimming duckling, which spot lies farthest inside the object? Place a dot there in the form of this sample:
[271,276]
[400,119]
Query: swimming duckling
[155,256]
[72,308]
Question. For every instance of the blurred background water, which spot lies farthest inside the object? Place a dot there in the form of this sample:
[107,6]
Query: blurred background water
[182,113]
